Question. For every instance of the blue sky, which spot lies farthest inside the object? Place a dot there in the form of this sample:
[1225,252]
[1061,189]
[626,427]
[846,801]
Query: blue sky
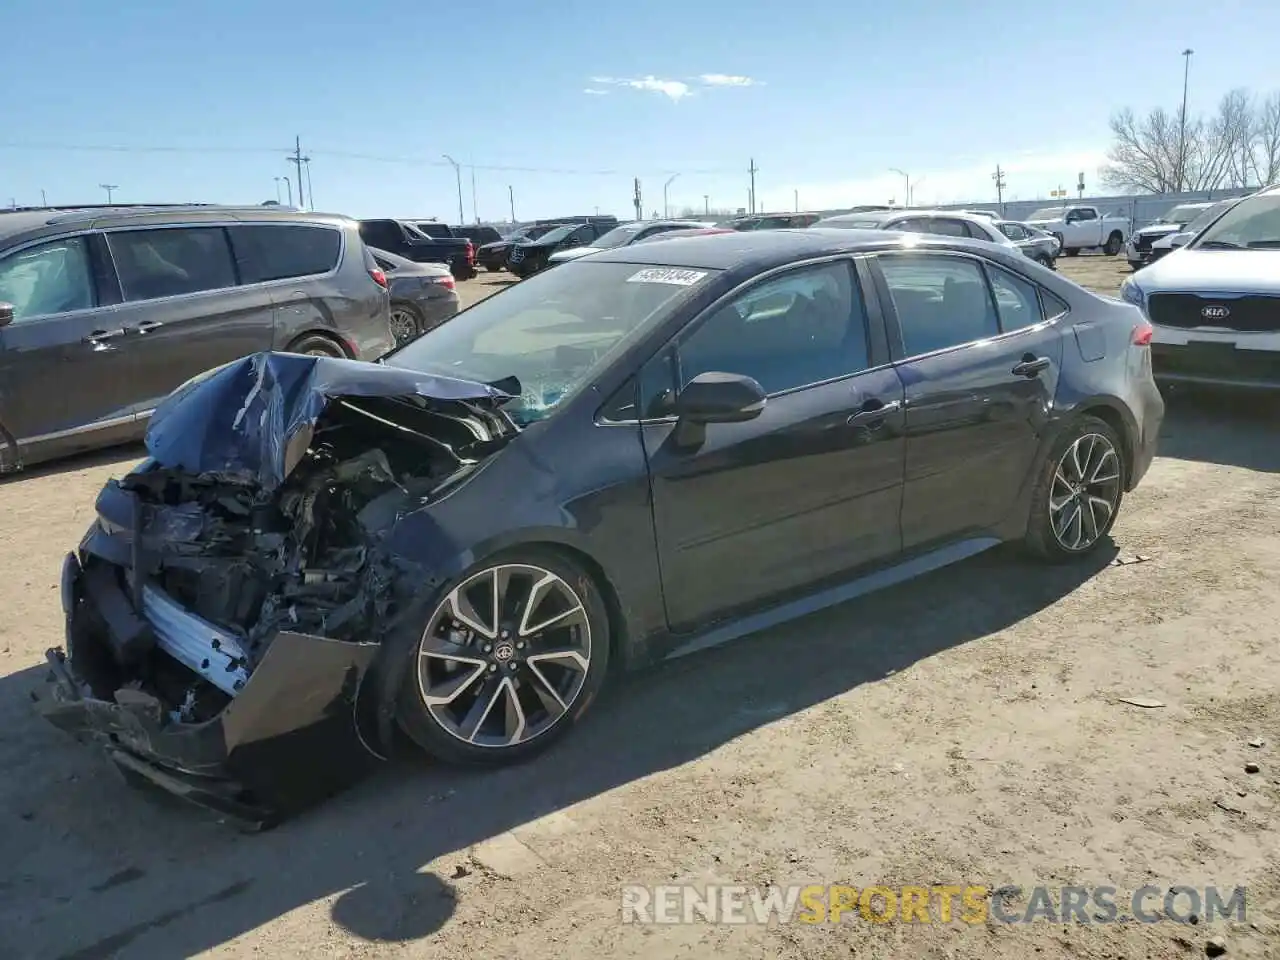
[825,95]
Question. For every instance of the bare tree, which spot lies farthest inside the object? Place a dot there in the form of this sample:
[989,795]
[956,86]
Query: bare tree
[1239,143]
[1266,148]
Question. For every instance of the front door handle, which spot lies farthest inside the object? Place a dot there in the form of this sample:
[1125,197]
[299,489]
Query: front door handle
[1031,366]
[873,411]
[147,325]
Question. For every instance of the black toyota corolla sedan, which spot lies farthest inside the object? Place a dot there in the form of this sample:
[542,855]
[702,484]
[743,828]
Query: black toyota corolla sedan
[643,452]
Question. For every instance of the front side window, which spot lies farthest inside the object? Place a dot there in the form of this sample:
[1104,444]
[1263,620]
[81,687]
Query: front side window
[171,262]
[940,301]
[547,337]
[1017,300]
[48,278]
[1013,231]
[804,327]
[278,251]
[945,226]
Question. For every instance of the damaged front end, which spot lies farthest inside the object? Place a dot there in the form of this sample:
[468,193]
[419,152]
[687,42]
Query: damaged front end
[224,609]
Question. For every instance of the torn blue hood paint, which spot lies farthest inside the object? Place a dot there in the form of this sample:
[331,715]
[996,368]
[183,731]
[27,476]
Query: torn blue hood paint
[251,420]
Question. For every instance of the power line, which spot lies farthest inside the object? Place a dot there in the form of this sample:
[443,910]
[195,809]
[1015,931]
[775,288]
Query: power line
[417,161]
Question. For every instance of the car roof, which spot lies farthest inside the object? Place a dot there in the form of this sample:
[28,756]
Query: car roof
[883,216]
[14,223]
[765,249]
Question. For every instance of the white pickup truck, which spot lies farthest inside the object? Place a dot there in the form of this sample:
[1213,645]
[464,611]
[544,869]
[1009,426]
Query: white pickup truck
[1078,228]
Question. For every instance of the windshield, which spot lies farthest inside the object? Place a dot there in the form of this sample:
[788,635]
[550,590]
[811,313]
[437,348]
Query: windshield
[547,337]
[1181,214]
[1251,224]
[1047,213]
[1206,217]
[559,233]
[618,236]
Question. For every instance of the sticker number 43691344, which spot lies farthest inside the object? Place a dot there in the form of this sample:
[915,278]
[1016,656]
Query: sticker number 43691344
[681,278]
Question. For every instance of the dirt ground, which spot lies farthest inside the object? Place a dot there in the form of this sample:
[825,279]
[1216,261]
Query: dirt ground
[966,728]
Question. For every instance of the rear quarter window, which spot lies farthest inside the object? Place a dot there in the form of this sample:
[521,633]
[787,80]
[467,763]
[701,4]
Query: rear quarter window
[280,251]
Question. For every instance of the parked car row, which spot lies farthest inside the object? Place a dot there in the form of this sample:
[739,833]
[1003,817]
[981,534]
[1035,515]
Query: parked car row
[1029,240]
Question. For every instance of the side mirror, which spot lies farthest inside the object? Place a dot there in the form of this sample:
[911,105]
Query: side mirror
[720,398]
[6,313]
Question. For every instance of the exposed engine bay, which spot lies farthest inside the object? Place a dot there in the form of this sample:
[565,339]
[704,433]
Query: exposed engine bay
[195,572]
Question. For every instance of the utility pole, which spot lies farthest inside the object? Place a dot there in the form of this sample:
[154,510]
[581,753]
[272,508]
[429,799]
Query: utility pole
[638,202]
[288,185]
[1182,122]
[998,177]
[44,201]
[311,191]
[474,213]
[457,172]
[666,208]
[511,198]
[753,170]
[110,188]
[297,160]
[906,188]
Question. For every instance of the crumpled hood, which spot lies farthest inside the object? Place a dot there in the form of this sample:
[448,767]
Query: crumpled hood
[1214,271]
[251,420]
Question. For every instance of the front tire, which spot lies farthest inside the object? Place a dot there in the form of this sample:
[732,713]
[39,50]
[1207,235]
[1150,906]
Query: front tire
[511,656]
[1113,244]
[1078,492]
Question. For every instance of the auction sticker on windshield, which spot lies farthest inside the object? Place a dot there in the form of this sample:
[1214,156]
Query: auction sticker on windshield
[681,278]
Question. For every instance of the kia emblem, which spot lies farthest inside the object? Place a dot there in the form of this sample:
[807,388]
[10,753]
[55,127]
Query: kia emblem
[1215,312]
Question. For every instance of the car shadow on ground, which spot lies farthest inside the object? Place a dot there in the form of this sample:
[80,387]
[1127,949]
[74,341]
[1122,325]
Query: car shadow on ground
[1232,429]
[125,454]
[98,870]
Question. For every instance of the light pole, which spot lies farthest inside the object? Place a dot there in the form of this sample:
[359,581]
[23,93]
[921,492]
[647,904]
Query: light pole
[277,180]
[666,210]
[288,185]
[311,193]
[474,213]
[511,199]
[110,188]
[706,204]
[457,172]
[1182,123]
[906,190]
[44,201]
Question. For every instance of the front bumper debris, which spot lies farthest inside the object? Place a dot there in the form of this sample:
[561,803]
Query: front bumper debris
[289,738]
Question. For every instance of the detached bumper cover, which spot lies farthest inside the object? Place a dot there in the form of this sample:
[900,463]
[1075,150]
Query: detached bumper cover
[290,738]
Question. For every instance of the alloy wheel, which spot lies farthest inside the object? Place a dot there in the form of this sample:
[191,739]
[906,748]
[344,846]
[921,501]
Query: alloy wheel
[1085,492]
[504,655]
[404,325]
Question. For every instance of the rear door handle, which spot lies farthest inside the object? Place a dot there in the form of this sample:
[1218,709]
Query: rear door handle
[873,411]
[1031,366]
[147,325]
[99,335]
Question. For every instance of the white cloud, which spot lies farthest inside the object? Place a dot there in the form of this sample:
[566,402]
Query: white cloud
[726,80]
[596,93]
[674,89]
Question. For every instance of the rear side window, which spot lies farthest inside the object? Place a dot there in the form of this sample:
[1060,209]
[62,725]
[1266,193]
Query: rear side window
[170,262]
[48,278]
[940,301]
[947,227]
[278,251]
[1017,300]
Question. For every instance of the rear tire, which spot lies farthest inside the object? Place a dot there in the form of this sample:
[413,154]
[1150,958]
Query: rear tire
[318,345]
[480,693]
[1113,244]
[492,268]
[1071,251]
[1078,492]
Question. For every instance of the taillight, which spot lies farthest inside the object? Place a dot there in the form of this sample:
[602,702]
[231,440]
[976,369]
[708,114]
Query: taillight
[446,282]
[378,277]
[471,252]
[1142,334]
